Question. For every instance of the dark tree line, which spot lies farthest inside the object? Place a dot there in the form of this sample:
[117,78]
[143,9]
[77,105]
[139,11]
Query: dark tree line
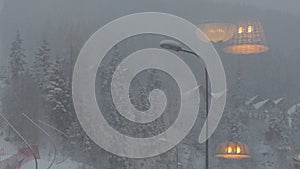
[42,91]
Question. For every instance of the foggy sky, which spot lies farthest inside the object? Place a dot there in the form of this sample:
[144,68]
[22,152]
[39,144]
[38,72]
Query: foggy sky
[273,76]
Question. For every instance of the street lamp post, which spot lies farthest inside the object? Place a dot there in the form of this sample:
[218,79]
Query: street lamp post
[175,46]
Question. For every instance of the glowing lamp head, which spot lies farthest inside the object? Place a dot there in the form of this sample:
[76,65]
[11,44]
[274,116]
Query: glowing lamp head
[296,160]
[233,150]
[249,39]
[217,31]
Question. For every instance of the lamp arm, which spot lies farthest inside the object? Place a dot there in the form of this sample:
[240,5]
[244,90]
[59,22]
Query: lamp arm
[51,140]
[22,138]
[191,52]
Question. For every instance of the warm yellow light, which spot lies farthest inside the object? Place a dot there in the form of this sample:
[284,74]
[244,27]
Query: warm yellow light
[217,32]
[248,39]
[238,150]
[240,30]
[250,29]
[296,160]
[212,31]
[229,150]
[246,49]
[220,30]
[233,150]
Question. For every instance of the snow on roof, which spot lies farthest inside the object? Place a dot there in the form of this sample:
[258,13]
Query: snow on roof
[251,100]
[293,109]
[277,101]
[260,104]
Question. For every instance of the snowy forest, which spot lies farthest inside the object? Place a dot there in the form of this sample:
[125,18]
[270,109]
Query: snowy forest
[38,54]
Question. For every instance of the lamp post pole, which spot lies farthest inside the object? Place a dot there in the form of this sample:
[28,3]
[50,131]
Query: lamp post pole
[207,109]
[175,46]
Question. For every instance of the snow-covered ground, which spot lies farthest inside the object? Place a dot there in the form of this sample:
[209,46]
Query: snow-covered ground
[42,163]
[68,164]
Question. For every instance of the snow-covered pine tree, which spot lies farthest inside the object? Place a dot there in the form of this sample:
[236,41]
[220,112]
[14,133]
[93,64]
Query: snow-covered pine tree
[20,94]
[279,125]
[58,96]
[41,64]
[235,116]
[59,99]
[17,56]
[294,117]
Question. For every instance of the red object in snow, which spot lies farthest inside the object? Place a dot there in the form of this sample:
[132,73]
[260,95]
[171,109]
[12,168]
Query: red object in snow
[22,157]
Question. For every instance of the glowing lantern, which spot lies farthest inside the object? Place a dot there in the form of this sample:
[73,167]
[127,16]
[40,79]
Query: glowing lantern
[233,150]
[296,160]
[217,32]
[249,39]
